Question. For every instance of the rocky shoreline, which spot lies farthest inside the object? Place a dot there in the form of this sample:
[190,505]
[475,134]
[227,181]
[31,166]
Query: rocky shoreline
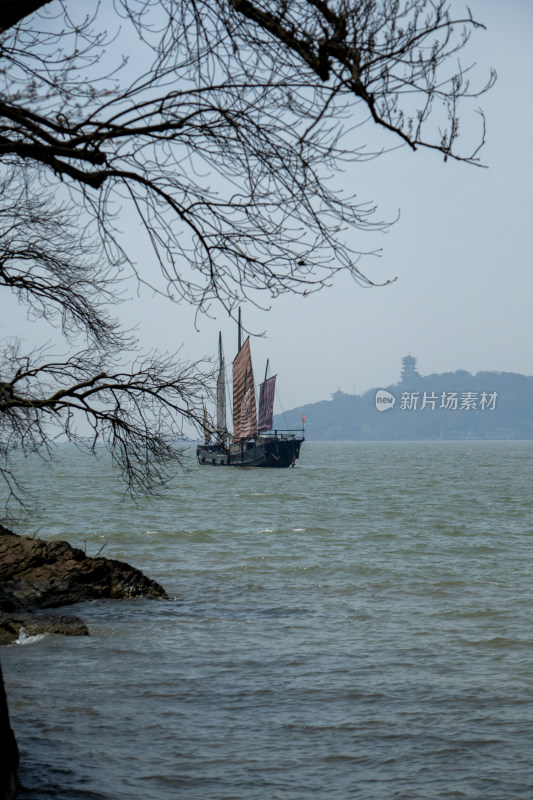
[37,574]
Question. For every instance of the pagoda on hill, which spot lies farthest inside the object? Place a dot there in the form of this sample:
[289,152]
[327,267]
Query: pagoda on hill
[410,373]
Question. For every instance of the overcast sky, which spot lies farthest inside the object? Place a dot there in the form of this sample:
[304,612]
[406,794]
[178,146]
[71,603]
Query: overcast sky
[461,252]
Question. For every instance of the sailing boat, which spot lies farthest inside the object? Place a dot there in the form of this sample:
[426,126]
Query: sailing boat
[253,443]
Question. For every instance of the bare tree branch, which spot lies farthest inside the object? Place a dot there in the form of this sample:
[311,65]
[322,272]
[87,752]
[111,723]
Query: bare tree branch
[59,273]
[140,413]
[55,267]
[226,132]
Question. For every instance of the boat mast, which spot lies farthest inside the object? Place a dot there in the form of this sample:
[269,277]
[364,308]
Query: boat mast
[221,393]
[244,407]
[240,332]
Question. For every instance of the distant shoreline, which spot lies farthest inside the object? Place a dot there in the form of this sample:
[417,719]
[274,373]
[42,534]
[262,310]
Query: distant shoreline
[457,406]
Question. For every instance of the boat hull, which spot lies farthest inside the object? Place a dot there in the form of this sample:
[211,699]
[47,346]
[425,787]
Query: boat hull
[263,451]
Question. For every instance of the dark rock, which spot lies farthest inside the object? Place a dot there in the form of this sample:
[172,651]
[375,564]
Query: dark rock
[9,757]
[12,624]
[39,574]
[8,602]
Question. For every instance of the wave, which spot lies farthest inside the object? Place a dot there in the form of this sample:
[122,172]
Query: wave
[26,638]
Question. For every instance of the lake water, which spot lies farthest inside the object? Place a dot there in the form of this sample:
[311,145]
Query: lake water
[357,627]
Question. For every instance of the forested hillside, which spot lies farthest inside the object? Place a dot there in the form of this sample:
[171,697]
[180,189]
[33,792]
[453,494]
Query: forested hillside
[451,405]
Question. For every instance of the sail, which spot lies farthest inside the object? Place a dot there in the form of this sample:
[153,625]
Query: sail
[267,391]
[221,393]
[207,429]
[244,410]
[248,424]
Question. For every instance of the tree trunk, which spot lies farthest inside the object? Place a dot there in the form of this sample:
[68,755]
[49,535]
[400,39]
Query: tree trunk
[9,758]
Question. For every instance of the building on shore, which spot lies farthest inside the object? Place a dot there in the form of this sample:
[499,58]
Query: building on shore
[410,373]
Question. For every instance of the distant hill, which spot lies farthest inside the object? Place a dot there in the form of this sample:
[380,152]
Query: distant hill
[451,405]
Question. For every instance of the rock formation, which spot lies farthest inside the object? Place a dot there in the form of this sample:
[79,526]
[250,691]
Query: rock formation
[37,574]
